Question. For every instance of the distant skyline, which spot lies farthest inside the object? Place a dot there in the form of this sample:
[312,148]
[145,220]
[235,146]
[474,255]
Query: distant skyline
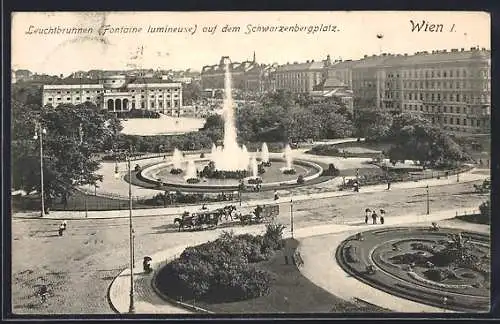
[355,35]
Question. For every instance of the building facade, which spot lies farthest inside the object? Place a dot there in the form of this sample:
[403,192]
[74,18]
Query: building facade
[244,76]
[301,77]
[120,93]
[450,88]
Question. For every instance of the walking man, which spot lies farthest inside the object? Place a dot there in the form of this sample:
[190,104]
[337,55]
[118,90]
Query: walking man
[388,184]
[374,217]
[276,196]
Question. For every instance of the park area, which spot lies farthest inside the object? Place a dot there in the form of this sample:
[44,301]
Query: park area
[248,274]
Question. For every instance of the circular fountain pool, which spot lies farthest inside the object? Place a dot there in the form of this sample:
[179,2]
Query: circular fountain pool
[273,176]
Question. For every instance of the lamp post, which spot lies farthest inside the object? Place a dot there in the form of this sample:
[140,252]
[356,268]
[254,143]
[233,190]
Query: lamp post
[40,130]
[291,216]
[427,189]
[131,236]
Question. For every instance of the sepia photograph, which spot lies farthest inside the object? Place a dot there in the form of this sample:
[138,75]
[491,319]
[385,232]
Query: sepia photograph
[280,162]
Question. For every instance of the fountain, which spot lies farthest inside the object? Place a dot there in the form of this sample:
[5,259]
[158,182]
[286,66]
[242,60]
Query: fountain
[229,163]
[288,169]
[265,155]
[229,157]
[254,167]
[176,162]
[191,175]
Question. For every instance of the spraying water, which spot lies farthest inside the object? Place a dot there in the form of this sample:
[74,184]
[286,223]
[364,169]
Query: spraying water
[288,158]
[177,158]
[265,153]
[190,170]
[255,168]
[230,157]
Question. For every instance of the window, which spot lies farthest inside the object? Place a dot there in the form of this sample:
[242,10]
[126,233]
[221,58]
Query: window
[152,104]
[451,121]
[49,99]
[457,110]
[67,92]
[445,120]
[458,121]
[88,98]
[465,122]
[142,104]
[458,97]
[77,98]
[444,109]
[444,74]
[68,98]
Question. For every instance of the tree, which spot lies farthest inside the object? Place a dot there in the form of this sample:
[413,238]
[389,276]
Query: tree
[74,135]
[415,138]
[191,92]
[373,124]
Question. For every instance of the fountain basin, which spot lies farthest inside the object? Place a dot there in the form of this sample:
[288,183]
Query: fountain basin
[159,174]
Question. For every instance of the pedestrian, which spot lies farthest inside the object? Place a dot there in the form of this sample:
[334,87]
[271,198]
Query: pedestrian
[64,224]
[61,230]
[374,217]
[366,219]
[381,219]
[356,186]
[276,196]
[388,185]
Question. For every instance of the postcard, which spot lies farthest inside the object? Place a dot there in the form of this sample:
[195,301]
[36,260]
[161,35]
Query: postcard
[283,162]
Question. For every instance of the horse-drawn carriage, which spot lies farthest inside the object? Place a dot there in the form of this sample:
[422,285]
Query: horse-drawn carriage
[199,220]
[211,218]
[260,214]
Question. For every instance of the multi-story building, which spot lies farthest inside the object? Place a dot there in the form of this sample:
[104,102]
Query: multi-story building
[301,77]
[244,75]
[450,88]
[120,93]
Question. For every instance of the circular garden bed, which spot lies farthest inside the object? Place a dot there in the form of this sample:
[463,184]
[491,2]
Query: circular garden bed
[448,268]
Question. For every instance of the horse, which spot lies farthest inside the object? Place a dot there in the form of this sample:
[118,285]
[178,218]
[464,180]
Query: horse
[185,221]
[227,211]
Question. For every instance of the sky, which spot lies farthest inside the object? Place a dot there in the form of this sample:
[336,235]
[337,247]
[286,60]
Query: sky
[355,35]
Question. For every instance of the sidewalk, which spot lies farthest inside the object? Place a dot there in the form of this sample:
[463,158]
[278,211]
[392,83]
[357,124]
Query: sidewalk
[147,301]
[468,176]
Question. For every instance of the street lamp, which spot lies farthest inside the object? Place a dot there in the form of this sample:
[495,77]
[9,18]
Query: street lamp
[42,131]
[131,235]
[291,216]
[427,188]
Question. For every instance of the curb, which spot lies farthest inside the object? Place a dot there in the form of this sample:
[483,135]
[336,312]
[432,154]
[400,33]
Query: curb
[192,308]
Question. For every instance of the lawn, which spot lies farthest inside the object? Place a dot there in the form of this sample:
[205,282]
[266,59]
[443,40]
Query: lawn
[290,292]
